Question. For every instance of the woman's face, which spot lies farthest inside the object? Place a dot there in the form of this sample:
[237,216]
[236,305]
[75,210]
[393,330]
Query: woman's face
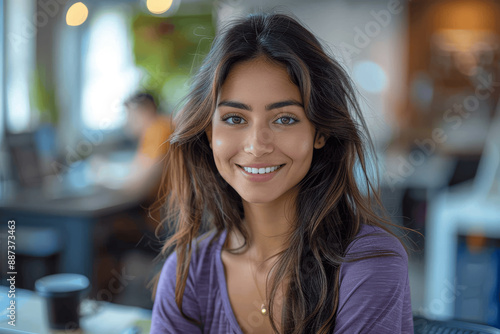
[259,125]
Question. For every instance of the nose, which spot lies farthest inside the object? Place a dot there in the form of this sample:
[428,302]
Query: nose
[260,141]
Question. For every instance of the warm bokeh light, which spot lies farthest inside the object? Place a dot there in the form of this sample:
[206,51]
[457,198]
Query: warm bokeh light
[77,14]
[465,14]
[465,40]
[158,6]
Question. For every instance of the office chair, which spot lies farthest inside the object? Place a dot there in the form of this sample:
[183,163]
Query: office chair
[422,325]
[461,210]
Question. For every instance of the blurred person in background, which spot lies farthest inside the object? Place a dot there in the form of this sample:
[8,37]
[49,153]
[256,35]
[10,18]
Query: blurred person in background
[152,129]
[130,242]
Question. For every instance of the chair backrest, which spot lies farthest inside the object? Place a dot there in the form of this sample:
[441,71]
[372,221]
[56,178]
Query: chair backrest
[25,162]
[422,325]
[488,173]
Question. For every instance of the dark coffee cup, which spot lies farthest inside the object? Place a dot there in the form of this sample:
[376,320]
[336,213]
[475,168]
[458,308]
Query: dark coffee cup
[63,294]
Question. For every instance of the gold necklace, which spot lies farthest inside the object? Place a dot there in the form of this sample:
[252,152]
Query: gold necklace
[263,308]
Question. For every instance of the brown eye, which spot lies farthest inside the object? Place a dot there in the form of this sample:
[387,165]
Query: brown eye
[286,120]
[233,120]
[236,119]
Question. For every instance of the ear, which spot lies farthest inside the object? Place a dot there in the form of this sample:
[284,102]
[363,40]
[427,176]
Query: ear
[319,140]
[208,132]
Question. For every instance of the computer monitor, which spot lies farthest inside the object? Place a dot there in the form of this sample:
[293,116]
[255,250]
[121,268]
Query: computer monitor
[24,159]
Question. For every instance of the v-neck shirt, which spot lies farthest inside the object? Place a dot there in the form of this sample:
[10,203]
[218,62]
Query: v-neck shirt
[374,294]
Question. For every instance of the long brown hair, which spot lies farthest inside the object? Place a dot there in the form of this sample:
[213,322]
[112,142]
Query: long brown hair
[335,197]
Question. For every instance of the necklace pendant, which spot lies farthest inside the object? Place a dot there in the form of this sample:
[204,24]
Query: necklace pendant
[263,309]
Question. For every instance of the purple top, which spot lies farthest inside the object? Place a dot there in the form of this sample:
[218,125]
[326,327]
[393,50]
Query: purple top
[374,294]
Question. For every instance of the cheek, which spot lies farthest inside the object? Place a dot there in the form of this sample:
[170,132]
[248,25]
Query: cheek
[224,146]
[299,148]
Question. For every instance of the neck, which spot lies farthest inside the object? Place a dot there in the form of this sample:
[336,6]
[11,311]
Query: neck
[268,225]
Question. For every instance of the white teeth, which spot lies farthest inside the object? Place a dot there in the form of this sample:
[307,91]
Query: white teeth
[261,170]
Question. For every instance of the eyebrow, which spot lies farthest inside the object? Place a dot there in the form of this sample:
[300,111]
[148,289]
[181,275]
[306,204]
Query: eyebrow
[275,105]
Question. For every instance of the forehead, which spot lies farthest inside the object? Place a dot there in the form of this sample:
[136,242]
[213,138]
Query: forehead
[259,81]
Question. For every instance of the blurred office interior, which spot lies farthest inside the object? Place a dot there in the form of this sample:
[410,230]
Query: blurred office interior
[428,74]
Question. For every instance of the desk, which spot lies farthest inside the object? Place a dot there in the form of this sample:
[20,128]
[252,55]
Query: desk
[74,217]
[92,202]
[109,318]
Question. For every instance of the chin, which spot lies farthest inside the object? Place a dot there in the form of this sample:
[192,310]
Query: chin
[255,201]
[258,198]
[254,197]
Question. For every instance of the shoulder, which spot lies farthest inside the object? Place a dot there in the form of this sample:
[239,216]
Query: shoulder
[374,240]
[203,254]
[375,257]
[374,293]
[198,283]
[202,265]
[205,250]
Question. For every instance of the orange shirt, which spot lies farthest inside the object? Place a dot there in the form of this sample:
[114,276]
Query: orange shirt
[154,142]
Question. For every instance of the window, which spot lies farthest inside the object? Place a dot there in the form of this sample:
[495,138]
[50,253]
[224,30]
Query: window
[2,83]
[109,75]
[20,38]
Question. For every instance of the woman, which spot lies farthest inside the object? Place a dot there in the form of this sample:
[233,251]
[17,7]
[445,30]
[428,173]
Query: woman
[267,155]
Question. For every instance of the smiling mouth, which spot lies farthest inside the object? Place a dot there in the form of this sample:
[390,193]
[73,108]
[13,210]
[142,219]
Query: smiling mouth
[259,171]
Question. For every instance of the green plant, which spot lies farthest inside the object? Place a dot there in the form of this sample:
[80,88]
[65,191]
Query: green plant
[168,50]
[43,97]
